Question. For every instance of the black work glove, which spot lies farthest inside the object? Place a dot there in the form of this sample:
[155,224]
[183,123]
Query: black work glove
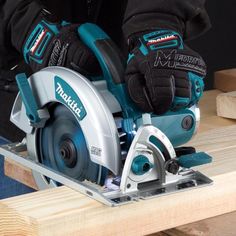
[162,73]
[51,43]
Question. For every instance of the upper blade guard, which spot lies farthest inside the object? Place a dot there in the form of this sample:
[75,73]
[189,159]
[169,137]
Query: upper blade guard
[61,85]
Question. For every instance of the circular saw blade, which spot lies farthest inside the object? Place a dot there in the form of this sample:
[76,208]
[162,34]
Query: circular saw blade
[61,146]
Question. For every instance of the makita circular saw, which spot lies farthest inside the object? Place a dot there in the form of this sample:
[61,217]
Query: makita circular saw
[86,133]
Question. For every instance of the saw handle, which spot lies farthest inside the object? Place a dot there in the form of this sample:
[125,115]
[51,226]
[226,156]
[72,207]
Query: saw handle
[111,61]
[105,50]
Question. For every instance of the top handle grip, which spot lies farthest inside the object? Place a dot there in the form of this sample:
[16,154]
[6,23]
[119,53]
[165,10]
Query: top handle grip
[105,50]
[112,63]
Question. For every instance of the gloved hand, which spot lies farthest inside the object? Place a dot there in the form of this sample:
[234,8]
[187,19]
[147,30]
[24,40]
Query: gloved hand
[162,73]
[50,43]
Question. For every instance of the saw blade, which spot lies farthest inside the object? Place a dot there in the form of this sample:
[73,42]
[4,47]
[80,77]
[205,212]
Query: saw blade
[62,146]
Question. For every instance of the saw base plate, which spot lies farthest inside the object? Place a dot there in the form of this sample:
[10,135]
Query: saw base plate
[185,180]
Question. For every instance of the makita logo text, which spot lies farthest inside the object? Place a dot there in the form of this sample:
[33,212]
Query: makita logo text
[68,100]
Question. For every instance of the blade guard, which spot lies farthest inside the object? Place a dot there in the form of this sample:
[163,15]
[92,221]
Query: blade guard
[142,145]
[96,120]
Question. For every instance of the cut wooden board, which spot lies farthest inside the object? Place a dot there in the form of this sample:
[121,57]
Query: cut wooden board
[226,105]
[63,211]
[225,80]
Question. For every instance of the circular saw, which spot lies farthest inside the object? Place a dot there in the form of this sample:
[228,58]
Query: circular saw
[87,134]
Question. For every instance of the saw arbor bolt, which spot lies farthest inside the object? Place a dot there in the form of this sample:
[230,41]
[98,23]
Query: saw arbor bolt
[68,153]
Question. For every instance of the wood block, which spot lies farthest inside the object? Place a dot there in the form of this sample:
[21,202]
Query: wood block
[19,173]
[225,80]
[62,211]
[226,105]
[217,226]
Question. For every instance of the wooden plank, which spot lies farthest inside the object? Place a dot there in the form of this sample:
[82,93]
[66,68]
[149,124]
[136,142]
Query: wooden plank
[62,211]
[226,105]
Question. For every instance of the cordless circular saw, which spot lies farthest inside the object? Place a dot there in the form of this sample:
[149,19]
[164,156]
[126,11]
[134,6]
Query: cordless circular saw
[87,134]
